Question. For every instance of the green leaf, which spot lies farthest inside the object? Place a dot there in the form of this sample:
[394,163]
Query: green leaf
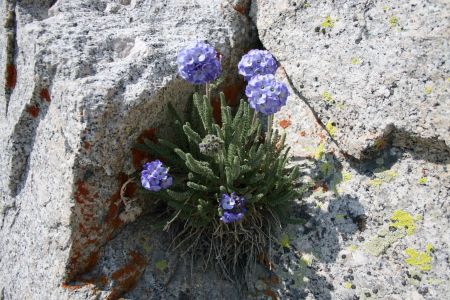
[200,187]
[200,167]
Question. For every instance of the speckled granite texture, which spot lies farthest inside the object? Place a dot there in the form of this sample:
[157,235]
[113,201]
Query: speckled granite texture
[369,106]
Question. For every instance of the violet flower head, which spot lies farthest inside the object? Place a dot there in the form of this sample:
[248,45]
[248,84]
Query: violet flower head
[233,208]
[257,62]
[265,94]
[199,63]
[154,176]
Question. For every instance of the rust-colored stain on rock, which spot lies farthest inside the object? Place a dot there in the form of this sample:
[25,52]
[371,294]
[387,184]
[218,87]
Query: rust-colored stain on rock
[285,123]
[11,77]
[142,157]
[33,111]
[45,94]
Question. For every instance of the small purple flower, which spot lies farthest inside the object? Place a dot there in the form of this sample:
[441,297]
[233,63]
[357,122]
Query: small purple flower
[233,207]
[265,94]
[154,176]
[257,62]
[166,182]
[227,201]
[198,63]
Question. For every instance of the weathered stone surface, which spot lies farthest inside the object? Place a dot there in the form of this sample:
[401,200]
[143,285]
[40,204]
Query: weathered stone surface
[369,67]
[395,129]
[82,80]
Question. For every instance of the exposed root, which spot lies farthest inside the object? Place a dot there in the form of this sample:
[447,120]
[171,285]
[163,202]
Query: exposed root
[231,248]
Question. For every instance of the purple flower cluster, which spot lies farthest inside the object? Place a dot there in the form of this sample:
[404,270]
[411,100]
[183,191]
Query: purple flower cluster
[154,176]
[198,63]
[265,94]
[211,145]
[257,62]
[233,207]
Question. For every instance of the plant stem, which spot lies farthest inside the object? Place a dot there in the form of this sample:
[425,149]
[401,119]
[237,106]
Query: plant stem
[207,90]
[255,115]
[269,128]
[222,175]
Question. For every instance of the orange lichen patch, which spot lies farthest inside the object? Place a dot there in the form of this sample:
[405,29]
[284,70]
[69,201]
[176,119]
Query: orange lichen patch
[140,157]
[11,78]
[71,287]
[281,68]
[266,281]
[240,10]
[232,92]
[33,111]
[87,145]
[270,293]
[285,123]
[127,276]
[424,171]
[319,121]
[303,133]
[45,94]
[324,187]
[275,280]
[81,192]
[228,80]
[92,230]
[345,154]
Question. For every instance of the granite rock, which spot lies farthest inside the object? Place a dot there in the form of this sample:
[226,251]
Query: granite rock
[83,79]
[370,68]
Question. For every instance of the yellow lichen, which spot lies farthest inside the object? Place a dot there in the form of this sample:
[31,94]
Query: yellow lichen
[375,183]
[403,219]
[285,241]
[353,247]
[420,260]
[428,90]
[320,151]
[393,21]
[348,285]
[418,217]
[428,248]
[305,261]
[305,5]
[346,177]
[147,247]
[431,280]
[330,128]
[341,104]
[327,96]
[325,168]
[340,216]
[319,204]
[328,22]
[385,8]
[355,60]
[422,180]
[161,264]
